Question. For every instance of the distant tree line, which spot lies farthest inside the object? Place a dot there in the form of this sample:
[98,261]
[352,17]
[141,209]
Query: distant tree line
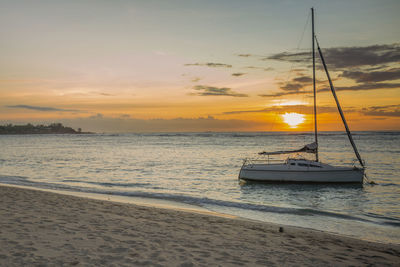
[54,128]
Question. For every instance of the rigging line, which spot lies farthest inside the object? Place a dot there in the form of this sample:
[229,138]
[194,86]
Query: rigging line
[298,45]
[297,49]
[303,97]
[291,67]
[368,181]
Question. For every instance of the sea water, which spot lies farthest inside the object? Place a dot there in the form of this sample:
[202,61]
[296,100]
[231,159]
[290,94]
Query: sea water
[201,169]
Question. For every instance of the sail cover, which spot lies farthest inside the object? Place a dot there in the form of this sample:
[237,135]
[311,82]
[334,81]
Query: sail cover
[310,148]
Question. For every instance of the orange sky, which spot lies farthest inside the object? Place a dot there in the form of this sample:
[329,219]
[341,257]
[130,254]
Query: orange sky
[230,66]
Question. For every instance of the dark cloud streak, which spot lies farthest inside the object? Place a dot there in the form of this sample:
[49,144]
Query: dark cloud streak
[370,67]
[374,76]
[383,111]
[303,109]
[363,87]
[210,64]
[45,109]
[295,86]
[339,58]
[260,68]
[216,91]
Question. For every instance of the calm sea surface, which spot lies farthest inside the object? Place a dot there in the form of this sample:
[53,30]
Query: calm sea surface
[202,168]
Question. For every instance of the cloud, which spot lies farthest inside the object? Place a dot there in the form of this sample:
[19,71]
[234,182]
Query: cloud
[37,108]
[296,85]
[345,57]
[237,74]
[260,68]
[303,109]
[210,64]
[290,57]
[384,107]
[244,55]
[303,79]
[105,94]
[339,58]
[368,66]
[97,116]
[384,111]
[100,93]
[374,76]
[195,79]
[363,86]
[292,87]
[216,91]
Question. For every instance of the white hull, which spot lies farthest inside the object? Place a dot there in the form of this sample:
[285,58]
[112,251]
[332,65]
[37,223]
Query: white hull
[315,172]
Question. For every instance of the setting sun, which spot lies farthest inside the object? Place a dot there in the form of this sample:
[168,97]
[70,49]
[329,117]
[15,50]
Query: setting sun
[293,119]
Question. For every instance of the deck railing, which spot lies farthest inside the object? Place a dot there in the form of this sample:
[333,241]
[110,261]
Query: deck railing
[249,161]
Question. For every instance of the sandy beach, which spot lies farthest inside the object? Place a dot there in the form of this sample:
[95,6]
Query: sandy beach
[45,228]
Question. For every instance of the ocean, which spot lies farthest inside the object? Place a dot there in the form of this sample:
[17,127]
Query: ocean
[201,169]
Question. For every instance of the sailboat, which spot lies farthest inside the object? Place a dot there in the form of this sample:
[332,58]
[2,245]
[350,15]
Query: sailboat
[301,170]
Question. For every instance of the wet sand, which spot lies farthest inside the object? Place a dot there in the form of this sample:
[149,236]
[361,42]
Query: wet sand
[45,228]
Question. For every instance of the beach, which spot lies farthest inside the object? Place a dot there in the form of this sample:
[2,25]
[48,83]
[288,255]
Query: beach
[46,228]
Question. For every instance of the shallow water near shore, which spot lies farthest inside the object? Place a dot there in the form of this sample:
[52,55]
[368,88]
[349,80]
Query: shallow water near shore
[201,169]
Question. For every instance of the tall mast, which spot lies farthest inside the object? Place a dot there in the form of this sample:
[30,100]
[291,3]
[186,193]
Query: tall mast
[315,95]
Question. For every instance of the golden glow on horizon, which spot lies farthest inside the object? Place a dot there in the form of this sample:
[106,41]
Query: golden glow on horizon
[288,103]
[293,119]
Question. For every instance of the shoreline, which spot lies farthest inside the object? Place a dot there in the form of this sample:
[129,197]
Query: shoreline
[42,227]
[288,221]
[137,201]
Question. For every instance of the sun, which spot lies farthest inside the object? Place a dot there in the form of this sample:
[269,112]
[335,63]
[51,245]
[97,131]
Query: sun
[293,119]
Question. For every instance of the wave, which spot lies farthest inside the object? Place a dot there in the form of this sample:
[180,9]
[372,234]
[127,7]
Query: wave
[388,184]
[107,184]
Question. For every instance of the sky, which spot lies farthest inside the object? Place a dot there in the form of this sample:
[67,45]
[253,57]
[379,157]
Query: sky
[210,65]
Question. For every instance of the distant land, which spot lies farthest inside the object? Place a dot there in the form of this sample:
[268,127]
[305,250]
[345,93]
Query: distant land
[54,128]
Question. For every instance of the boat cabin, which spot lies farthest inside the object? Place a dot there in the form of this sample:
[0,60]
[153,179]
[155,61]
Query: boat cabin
[303,163]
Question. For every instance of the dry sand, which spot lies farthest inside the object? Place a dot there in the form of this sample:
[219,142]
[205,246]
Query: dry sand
[45,228]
